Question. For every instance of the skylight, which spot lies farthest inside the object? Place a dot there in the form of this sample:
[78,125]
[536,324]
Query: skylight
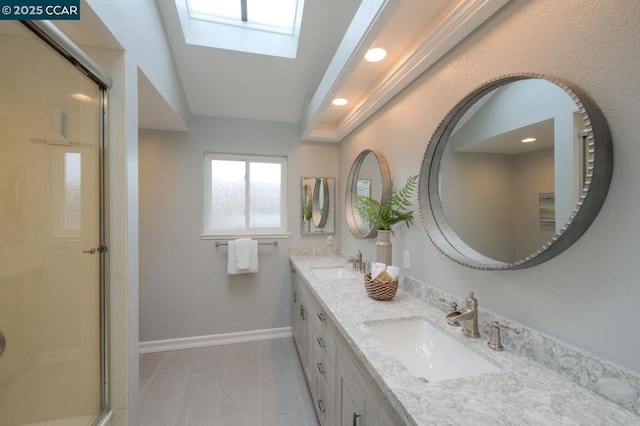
[254,26]
[274,15]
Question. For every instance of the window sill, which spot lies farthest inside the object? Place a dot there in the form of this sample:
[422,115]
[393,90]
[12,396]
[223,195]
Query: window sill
[227,237]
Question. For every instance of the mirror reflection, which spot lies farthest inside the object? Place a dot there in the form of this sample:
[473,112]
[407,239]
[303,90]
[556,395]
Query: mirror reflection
[369,176]
[512,171]
[516,172]
[318,195]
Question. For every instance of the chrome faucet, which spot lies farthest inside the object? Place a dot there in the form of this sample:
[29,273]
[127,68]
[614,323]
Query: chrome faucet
[356,261]
[469,316]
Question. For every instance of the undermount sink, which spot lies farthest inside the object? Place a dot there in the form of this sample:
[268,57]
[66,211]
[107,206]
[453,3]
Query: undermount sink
[428,353]
[334,273]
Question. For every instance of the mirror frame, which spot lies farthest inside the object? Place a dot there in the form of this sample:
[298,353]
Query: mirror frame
[322,213]
[592,197]
[351,201]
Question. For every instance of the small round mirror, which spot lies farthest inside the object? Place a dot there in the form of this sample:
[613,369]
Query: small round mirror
[369,176]
[515,173]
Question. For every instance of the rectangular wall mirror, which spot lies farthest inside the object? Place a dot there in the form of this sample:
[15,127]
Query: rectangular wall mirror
[318,205]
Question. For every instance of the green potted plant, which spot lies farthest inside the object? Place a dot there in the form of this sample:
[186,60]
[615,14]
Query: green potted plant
[307,214]
[396,209]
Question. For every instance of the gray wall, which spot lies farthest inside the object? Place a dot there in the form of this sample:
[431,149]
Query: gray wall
[580,295]
[184,288]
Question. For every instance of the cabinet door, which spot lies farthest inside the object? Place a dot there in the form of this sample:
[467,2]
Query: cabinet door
[294,305]
[349,403]
[360,401]
[299,319]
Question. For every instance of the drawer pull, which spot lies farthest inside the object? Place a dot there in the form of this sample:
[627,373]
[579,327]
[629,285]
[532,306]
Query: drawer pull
[295,296]
[355,418]
[302,312]
[321,343]
[321,316]
[321,406]
[320,367]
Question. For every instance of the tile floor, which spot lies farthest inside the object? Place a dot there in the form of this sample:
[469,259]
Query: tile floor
[255,383]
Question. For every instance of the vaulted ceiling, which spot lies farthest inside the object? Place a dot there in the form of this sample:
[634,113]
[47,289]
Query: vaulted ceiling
[335,35]
[229,83]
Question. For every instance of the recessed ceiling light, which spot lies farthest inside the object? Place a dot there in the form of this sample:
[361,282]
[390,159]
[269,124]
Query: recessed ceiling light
[375,55]
[82,97]
[340,101]
[527,140]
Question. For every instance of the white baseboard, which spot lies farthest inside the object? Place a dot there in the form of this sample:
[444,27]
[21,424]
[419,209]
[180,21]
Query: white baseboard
[212,340]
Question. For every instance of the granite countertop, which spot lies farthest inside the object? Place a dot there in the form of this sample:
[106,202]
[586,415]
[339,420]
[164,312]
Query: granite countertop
[524,393]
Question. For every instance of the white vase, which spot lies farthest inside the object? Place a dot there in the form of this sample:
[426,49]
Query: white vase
[383,247]
[306,227]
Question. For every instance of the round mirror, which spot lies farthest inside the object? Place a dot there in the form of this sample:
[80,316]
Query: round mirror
[369,176]
[320,205]
[515,173]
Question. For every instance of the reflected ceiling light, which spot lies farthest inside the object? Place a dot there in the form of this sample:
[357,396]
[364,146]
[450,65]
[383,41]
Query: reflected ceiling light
[340,101]
[527,140]
[82,97]
[375,55]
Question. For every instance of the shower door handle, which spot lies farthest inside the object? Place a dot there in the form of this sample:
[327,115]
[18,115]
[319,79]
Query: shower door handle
[93,250]
[3,343]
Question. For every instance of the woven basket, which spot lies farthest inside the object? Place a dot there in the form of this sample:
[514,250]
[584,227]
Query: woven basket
[379,290]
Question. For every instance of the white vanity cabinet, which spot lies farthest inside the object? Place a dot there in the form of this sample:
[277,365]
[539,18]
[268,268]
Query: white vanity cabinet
[315,338]
[343,392]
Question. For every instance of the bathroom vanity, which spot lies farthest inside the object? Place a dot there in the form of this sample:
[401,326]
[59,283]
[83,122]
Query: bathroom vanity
[356,380]
[343,392]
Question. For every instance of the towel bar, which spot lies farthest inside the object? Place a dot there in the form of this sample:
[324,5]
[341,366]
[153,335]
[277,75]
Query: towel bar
[270,243]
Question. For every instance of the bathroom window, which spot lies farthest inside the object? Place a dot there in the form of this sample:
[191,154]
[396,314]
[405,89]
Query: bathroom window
[244,195]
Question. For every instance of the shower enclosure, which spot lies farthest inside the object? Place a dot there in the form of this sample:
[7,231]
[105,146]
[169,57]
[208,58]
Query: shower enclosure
[53,346]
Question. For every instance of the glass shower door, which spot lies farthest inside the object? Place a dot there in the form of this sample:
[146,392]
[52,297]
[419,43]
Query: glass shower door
[50,368]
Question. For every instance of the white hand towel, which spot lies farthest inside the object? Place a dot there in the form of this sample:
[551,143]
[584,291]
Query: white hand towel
[242,248]
[376,268]
[232,269]
[394,271]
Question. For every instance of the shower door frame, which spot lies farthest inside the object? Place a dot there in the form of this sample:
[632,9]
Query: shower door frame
[50,34]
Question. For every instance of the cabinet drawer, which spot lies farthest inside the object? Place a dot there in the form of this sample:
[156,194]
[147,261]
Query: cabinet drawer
[322,325]
[324,367]
[324,404]
[324,345]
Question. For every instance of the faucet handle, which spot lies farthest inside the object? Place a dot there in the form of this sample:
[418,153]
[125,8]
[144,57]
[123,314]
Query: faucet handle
[453,306]
[495,342]
[453,309]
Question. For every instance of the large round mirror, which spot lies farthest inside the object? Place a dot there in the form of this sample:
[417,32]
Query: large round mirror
[515,173]
[369,176]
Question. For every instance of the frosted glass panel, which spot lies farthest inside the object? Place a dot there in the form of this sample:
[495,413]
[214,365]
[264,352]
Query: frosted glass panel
[265,190]
[227,194]
[72,190]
